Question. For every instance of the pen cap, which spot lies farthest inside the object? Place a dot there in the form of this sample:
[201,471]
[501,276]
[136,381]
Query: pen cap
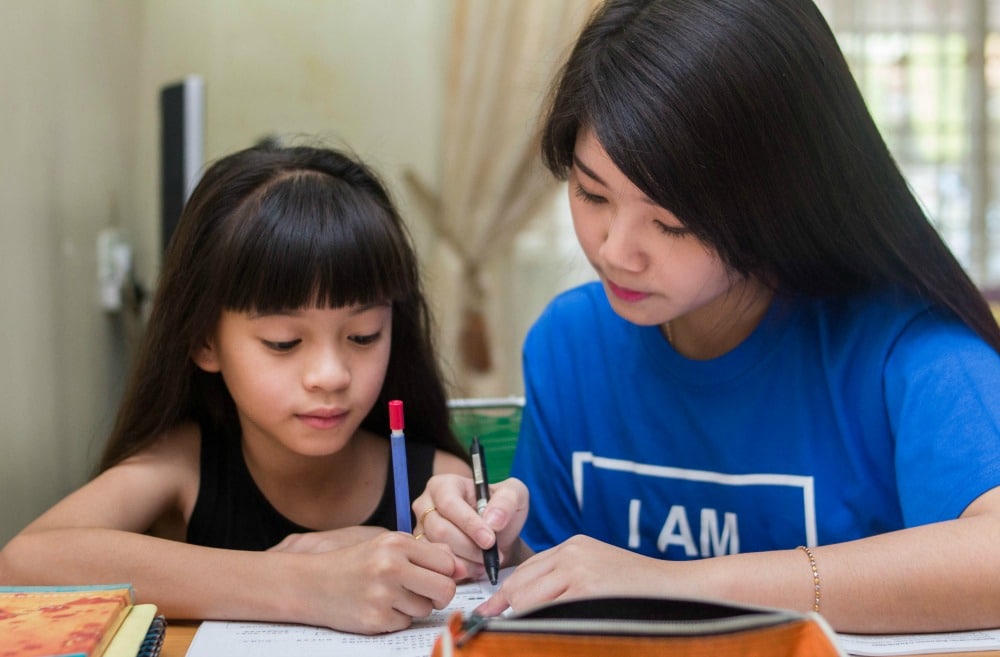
[396,415]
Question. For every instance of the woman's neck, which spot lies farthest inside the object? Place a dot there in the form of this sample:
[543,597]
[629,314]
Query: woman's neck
[720,326]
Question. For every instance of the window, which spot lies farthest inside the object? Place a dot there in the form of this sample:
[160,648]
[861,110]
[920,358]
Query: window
[929,70]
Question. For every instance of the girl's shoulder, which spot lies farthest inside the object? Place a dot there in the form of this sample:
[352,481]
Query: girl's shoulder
[174,459]
[172,464]
[179,445]
[149,491]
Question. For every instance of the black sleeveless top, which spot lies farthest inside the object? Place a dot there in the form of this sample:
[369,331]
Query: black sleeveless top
[231,511]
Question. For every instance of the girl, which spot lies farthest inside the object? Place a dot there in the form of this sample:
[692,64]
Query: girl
[784,390]
[247,475]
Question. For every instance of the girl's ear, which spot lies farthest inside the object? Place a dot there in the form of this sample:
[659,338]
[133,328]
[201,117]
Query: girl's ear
[206,357]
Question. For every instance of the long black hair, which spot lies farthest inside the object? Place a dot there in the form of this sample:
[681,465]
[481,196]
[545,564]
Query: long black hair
[270,229]
[742,118]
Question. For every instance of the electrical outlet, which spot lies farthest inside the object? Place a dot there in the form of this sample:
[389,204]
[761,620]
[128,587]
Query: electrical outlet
[114,268]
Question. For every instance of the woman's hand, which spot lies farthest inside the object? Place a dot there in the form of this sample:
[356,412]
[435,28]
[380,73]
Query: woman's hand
[325,541]
[581,567]
[446,513]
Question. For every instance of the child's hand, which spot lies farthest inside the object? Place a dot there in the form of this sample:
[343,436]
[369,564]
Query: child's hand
[379,585]
[447,514]
[333,539]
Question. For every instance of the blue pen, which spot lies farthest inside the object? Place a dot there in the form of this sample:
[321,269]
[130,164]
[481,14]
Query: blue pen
[400,479]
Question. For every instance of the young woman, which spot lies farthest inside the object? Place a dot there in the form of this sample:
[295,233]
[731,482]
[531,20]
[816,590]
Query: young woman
[248,473]
[784,390]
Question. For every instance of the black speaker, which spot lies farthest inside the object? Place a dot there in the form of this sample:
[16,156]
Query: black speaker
[182,139]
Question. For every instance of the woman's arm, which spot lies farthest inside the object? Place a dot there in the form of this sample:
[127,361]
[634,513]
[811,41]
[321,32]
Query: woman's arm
[936,577]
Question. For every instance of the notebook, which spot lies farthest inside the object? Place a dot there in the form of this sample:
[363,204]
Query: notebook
[78,621]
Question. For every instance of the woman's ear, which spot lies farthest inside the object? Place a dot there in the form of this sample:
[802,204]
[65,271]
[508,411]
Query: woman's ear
[206,357]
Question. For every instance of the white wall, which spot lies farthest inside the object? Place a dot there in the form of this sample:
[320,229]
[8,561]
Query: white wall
[69,89]
[79,110]
[366,74]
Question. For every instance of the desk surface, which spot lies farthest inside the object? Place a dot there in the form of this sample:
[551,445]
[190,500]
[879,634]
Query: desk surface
[178,638]
[180,633]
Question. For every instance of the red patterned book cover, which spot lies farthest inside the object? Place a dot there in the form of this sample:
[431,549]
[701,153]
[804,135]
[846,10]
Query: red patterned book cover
[46,621]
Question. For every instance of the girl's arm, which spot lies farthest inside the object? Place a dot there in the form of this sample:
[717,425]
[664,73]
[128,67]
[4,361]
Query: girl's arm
[936,577]
[95,535]
[376,586]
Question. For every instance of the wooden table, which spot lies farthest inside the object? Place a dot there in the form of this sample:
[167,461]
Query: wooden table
[180,633]
[178,638]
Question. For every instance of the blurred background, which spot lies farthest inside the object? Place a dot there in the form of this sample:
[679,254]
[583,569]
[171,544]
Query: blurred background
[440,96]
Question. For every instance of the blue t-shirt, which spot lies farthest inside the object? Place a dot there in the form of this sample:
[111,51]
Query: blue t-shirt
[836,419]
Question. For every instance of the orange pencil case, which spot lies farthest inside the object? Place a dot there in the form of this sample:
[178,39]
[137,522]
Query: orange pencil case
[639,627]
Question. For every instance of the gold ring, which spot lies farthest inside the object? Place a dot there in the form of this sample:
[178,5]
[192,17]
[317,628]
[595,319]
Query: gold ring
[424,514]
[418,536]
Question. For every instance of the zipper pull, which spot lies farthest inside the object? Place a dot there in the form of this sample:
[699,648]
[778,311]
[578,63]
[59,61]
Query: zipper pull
[470,628]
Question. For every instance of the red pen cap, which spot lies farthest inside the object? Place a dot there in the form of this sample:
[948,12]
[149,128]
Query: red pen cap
[396,415]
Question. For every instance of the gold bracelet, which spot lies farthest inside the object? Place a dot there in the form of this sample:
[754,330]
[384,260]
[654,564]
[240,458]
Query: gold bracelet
[812,564]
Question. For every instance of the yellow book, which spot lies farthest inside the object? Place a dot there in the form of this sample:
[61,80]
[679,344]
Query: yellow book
[140,634]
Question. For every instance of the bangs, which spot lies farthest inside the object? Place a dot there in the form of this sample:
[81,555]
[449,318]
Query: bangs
[656,120]
[308,239]
[635,101]
[648,140]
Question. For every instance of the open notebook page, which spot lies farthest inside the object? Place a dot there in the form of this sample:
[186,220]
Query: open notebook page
[246,639]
